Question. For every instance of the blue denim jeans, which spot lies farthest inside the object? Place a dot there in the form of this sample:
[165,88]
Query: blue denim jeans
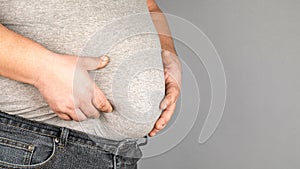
[30,144]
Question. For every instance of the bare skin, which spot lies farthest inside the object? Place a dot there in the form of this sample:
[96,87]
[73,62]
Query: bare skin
[172,67]
[26,61]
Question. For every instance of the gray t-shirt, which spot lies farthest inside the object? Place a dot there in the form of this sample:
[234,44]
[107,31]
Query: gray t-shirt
[133,80]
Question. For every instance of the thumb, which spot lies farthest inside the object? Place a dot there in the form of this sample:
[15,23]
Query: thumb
[94,63]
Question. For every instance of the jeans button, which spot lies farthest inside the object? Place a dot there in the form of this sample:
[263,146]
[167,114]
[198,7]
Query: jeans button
[56,140]
[31,148]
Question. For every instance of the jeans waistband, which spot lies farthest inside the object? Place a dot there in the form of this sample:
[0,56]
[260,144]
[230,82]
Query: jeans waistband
[127,147]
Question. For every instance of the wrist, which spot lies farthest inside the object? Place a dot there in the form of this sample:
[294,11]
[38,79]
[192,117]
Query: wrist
[44,65]
[170,49]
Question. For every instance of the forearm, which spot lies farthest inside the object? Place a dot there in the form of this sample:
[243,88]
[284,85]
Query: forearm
[161,26]
[21,59]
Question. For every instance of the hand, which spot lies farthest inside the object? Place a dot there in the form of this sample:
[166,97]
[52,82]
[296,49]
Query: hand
[69,90]
[172,71]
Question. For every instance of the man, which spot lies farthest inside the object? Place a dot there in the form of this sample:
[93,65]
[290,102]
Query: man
[51,73]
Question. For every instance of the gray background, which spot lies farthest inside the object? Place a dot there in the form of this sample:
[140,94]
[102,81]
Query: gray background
[259,45]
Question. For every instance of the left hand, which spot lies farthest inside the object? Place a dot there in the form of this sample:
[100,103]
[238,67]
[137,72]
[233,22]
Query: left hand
[172,72]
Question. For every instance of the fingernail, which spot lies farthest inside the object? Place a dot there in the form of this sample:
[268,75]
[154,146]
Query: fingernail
[163,106]
[104,58]
[110,109]
[111,106]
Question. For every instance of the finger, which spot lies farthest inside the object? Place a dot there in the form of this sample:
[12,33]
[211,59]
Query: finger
[77,115]
[173,79]
[172,92]
[93,63]
[153,132]
[100,101]
[172,83]
[90,111]
[64,116]
[171,97]
[163,120]
[172,67]
[165,117]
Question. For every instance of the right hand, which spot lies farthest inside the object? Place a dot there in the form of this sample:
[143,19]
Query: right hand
[69,90]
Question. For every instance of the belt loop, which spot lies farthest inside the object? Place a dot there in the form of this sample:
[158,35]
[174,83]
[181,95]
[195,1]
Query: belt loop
[124,141]
[63,138]
[145,142]
[116,152]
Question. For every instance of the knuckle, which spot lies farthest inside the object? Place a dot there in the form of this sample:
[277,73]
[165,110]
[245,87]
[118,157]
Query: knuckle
[166,53]
[64,117]
[72,113]
[172,92]
[165,120]
[177,88]
[82,119]
[160,125]
[93,114]
[174,86]
[101,104]
[169,98]
[157,128]
[79,119]
[64,107]
[60,115]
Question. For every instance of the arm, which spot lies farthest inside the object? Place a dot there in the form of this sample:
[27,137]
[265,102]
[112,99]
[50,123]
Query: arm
[161,26]
[18,57]
[172,67]
[52,74]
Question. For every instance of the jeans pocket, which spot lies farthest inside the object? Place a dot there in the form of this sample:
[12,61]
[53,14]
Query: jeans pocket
[19,155]
[15,152]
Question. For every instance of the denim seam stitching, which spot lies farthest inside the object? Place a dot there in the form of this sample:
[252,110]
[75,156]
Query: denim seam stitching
[14,146]
[104,152]
[25,161]
[29,130]
[10,165]
[89,146]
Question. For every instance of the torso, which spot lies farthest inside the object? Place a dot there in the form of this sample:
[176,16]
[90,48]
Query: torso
[123,29]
